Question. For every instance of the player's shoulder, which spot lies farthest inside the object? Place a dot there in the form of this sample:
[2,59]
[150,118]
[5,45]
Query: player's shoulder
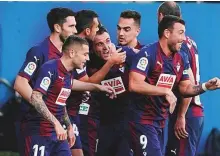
[39,49]
[190,43]
[51,64]
[149,49]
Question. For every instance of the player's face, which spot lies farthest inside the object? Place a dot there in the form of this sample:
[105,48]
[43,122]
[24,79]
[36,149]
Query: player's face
[176,37]
[81,55]
[102,44]
[68,28]
[94,28]
[127,31]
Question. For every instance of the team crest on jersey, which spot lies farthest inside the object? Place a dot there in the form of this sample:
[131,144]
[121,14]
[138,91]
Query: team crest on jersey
[178,67]
[45,83]
[30,68]
[166,81]
[62,97]
[142,63]
[116,84]
[122,69]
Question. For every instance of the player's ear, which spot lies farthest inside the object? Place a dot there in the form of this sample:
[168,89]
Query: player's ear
[166,33]
[87,31]
[72,54]
[160,16]
[138,31]
[57,28]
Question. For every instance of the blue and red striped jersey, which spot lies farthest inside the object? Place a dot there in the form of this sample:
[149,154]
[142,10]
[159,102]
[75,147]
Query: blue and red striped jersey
[160,70]
[189,47]
[35,58]
[55,83]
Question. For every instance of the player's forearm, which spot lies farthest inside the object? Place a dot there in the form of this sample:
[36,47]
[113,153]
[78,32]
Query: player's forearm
[84,86]
[66,119]
[100,74]
[23,88]
[183,106]
[40,106]
[147,89]
[192,90]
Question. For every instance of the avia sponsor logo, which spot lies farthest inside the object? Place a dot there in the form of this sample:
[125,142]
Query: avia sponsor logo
[62,97]
[116,84]
[166,81]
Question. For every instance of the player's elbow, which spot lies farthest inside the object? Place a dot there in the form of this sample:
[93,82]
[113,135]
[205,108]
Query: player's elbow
[20,82]
[16,84]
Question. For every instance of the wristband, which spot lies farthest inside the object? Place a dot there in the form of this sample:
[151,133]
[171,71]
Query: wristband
[204,87]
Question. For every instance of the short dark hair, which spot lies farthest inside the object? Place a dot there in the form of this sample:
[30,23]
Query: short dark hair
[84,19]
[101,30]
[73,40]
[132,14]
[167,23]
[58,16]
[170,8]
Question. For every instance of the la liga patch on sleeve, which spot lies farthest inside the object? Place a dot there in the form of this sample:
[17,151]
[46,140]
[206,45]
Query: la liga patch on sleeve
[142,63]
[45,83]
[30,68]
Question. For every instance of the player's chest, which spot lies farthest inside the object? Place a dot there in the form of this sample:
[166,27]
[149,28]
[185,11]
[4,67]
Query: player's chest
[117,78]
[166,71]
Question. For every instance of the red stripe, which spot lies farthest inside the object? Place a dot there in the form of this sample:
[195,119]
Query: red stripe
[164,83]
[118,89]
[40,90]
[182,147]
[92,134]
[164,86]
[27,145]
[137,71]
[62,100]
[25,76]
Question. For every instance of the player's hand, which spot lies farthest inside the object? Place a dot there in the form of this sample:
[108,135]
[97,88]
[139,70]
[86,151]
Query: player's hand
[61,133]
[109,90]
[112,49]
[117,57]
[179,128]
[171,98]
[71,136]
[213,84]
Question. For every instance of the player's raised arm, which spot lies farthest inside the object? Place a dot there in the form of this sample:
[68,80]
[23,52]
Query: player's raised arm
[116,58]
[84,86]
[139,70]
[189,90]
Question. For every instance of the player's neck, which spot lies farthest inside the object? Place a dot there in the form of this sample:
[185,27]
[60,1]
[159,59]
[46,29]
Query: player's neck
[55,39]
[133,43]
[67,63]
[164,47]
[82,35]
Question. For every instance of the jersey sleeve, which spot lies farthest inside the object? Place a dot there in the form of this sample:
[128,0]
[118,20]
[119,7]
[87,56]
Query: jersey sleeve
[186,66]
[79,73]
[129,54]
[45,78]
[140,63]
[34,59]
